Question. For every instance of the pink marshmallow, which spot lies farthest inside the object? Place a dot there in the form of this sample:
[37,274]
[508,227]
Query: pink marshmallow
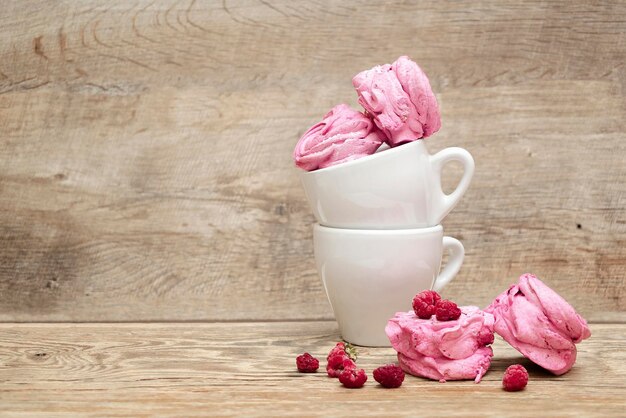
[400,99]
[443,350]
[539,323]
[343,135]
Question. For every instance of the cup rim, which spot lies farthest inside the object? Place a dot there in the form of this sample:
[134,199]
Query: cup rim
[383,232]
[363,160]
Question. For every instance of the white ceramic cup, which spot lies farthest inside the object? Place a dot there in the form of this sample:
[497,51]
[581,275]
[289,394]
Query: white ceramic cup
[369,275]
[391,189]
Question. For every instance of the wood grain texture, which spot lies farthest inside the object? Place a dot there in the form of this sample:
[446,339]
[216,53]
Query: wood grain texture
[248,369]
[145,149]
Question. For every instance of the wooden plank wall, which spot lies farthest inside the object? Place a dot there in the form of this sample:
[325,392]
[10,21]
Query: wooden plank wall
[145,149]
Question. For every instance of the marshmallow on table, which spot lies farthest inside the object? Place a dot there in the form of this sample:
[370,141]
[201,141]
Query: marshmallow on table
[539,323]
[443,350]
[344,134]
[399,98]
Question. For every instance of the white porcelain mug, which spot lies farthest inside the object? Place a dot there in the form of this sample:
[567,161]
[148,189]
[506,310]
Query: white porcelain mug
[391,189]
[369,275]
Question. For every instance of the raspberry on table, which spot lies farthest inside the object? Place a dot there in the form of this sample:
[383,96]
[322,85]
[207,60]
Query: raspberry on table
[389,376]
[353,378]
[306,363]
[446,310]
[515,378]
[424,303]
[342,348]
[338,363]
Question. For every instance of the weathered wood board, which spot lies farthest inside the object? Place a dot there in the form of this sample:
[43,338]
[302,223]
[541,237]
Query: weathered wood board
[249,369]
[145,149]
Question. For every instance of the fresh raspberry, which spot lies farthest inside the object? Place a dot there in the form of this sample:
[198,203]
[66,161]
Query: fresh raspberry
[345,349]
[338,363]
[485,337]
[340,348]
[424,303]
[447,310]
[307,363]
[389,376]
[353,378]
[515,378]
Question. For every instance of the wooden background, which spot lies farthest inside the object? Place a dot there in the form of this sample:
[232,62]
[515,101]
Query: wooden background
[145,149]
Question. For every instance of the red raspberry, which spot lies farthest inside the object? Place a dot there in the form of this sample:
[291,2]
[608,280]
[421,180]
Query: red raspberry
[344,349]
[338,363]
[389,376]
[515,378]
[485,337]
[307,363]
[353,378]
[447,310]
[424,303]
[340,348]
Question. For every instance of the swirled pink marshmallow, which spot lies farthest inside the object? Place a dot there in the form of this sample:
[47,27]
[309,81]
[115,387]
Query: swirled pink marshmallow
[443,350]
[539,323]
[400,99]
[344,134]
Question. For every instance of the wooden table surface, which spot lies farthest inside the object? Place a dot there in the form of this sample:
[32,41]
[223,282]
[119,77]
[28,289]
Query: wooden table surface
[156,249]
[248,369]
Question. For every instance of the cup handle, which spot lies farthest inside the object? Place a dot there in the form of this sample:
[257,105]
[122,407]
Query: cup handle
[457,253]
[448,201]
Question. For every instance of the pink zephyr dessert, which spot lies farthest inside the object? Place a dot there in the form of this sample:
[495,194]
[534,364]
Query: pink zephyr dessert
[343,135]
[443,350]
[400,99]
[539,323]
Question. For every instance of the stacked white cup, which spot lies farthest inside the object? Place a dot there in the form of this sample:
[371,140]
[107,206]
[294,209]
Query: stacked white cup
[379,240]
